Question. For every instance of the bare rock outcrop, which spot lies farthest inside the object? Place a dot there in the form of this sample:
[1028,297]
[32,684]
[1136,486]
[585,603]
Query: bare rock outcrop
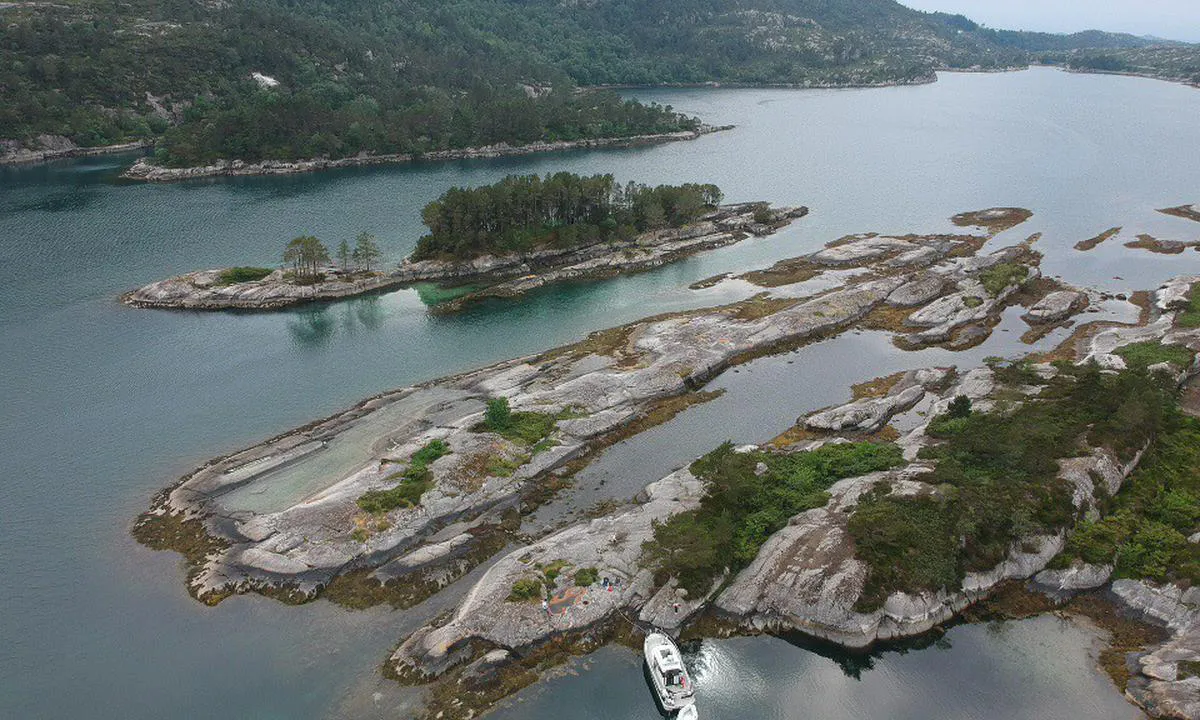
[1056,307]
[611,546]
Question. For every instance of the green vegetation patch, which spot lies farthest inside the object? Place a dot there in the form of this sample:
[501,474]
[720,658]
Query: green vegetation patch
[1145,354]
[412,481]
[526,589]
[1189,317]
[996,479]
[235,275]
[586,577]
[526,428]
[1146,525]
[741,508]
[1001,276]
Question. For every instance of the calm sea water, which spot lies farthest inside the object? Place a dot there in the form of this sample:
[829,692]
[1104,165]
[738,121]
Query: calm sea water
[101,405]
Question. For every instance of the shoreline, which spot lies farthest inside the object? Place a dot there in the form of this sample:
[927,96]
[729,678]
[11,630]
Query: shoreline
[503,276]
[29,157]
[145,171]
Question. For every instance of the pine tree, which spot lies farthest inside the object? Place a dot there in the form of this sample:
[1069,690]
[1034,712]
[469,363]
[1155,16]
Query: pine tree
[366,251]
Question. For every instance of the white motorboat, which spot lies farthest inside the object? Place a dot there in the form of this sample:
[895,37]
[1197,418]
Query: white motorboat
[667,672]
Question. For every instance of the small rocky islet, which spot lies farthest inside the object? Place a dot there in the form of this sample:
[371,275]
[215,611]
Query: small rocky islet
[464,482]
[495,275]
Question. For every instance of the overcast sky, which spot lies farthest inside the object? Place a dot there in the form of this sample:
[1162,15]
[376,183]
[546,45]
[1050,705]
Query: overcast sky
[1173,19]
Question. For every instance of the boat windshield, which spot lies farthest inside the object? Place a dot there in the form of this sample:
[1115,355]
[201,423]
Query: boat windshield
[675,679]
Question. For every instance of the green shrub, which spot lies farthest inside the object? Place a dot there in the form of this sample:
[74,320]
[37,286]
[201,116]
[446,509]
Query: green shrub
[432,450]
[960,407]
[551,571]
[526,589]
[741,509]
[586,577]
[235,275]
[498,415]
[1000,276]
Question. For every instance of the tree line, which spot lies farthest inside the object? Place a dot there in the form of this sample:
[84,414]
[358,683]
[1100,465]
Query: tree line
[306,255]
[522,212]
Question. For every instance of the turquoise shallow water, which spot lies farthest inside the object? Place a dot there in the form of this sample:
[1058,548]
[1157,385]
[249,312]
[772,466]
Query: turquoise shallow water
[103,405]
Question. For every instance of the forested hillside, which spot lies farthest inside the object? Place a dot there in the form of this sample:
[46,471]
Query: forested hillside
[338,78]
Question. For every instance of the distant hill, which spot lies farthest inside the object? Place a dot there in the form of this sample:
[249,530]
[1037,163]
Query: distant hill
[255,79]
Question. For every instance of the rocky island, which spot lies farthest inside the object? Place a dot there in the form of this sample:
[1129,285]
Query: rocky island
[601,229]
[874,520]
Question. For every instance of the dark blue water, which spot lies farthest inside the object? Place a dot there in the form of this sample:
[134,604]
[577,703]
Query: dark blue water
[103,405]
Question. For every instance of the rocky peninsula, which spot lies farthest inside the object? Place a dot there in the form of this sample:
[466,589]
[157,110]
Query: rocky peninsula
[145,170]
[300,516]
[507,275]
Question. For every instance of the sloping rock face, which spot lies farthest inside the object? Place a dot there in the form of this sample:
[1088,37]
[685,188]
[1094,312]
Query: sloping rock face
[610,545]
[203,290]
[866,415]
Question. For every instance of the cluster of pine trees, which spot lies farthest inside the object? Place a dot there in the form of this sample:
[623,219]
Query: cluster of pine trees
[307,255]
[522,212]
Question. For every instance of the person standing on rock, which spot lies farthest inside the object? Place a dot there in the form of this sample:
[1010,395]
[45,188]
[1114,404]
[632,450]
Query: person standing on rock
[546,607]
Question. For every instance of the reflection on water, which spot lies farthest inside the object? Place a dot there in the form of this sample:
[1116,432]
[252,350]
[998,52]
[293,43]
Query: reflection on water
[312,326]
[368,311]
[1042,668]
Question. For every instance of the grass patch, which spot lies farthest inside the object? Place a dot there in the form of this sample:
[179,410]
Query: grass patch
[526,589]
[741,508]
[503,467]
[412,482]
[1001,276]
[1189,317]
[526,428]
[235,275]
[1144,354]
[996,475]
